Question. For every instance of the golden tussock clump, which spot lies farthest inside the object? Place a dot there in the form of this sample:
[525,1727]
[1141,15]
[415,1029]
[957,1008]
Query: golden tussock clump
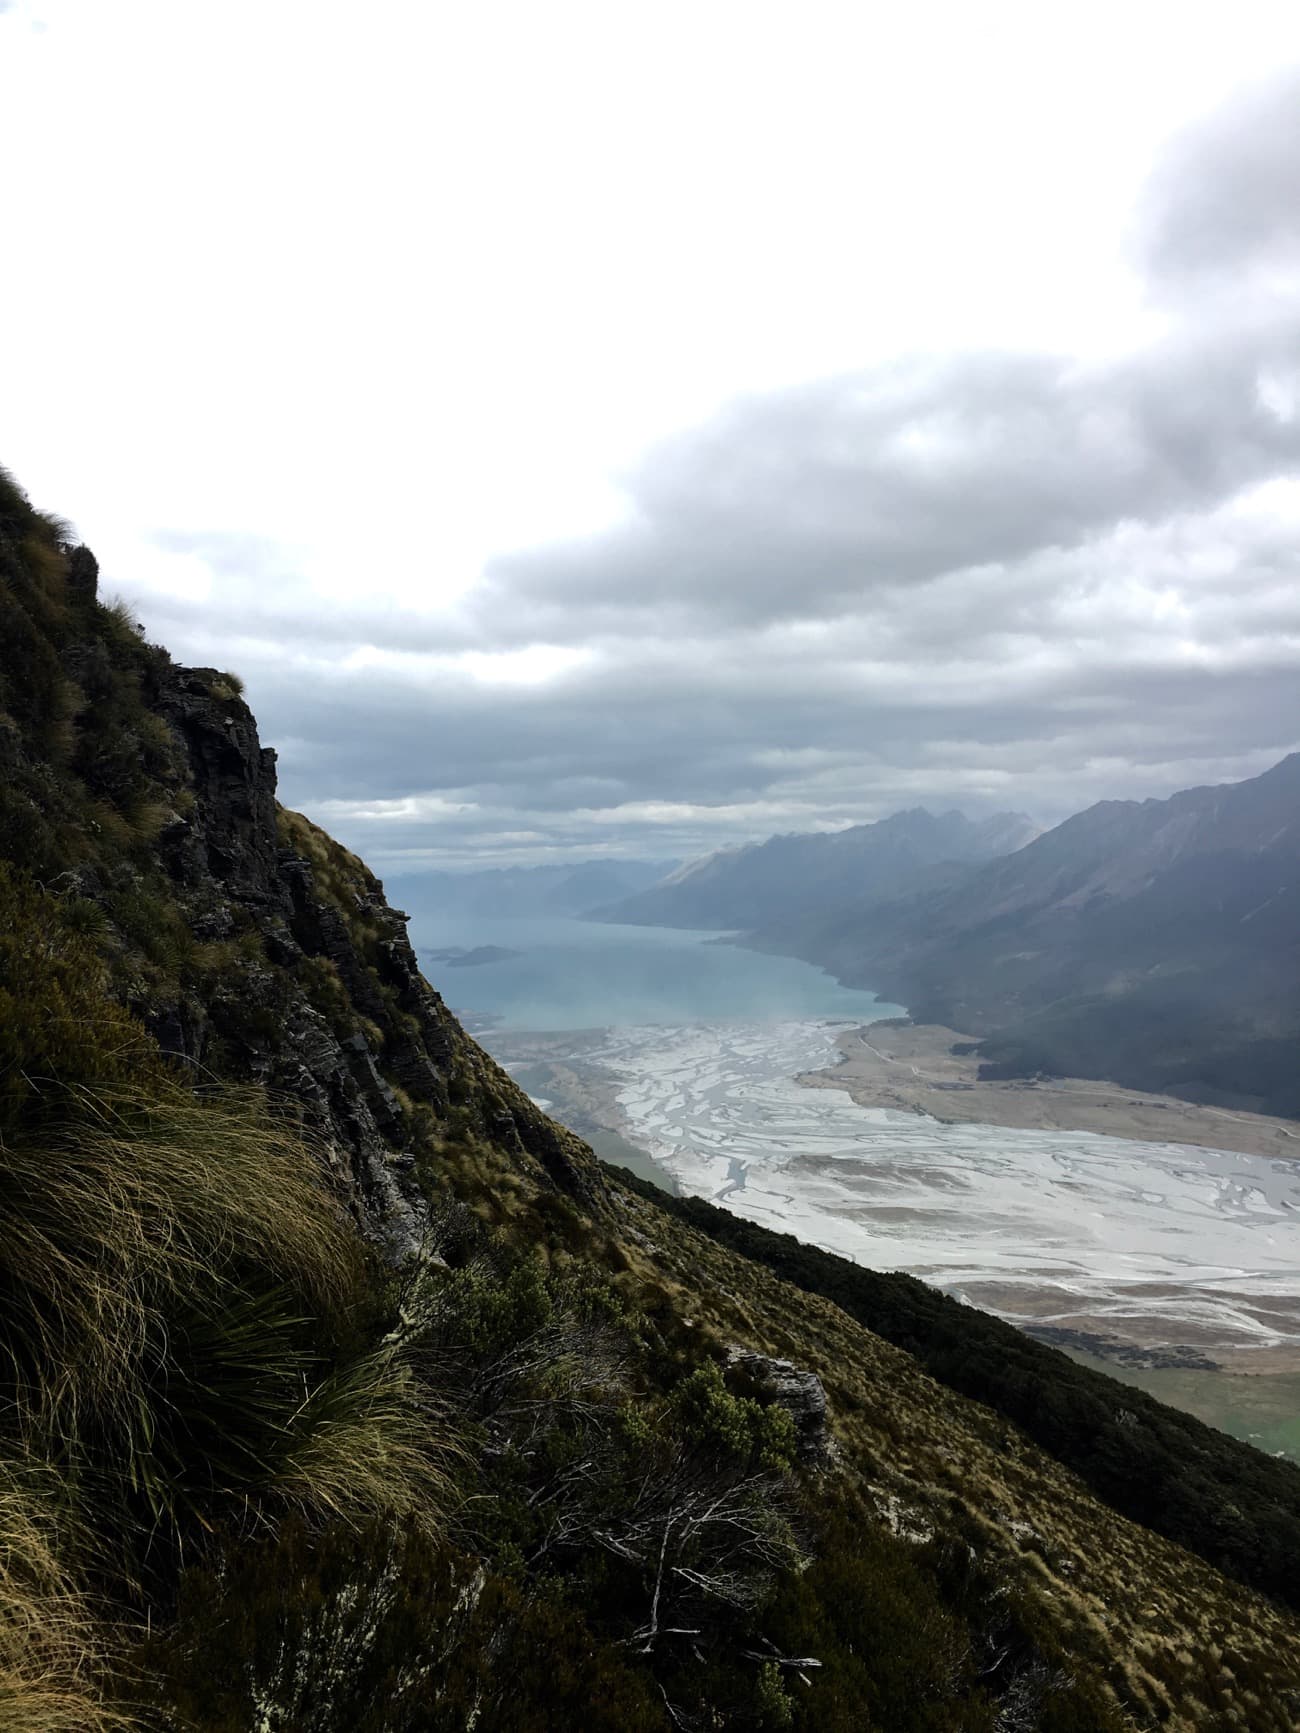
[52,1648]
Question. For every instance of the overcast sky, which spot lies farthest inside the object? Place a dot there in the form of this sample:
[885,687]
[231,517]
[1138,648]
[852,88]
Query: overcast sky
[635,427]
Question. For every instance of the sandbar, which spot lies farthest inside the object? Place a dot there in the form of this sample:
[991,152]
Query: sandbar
[911,1068]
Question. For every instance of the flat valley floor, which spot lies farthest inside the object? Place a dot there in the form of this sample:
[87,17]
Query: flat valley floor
[1161,1236]
[911,1067]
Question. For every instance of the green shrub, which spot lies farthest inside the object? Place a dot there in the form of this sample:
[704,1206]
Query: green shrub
[893,1657]
[751,1434]
[377,1631]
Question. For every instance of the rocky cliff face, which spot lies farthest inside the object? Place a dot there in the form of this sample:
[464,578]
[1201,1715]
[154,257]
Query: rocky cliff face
[233,858]
[372,1092]
[251,944]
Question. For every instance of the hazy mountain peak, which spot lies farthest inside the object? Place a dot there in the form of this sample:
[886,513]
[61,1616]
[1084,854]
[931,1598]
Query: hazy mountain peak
[1153,942]
[751,885]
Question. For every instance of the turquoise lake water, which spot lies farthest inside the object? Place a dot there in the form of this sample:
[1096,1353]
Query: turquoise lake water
[571,974]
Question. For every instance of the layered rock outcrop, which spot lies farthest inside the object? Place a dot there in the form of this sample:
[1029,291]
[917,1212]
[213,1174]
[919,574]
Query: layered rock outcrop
[800,1392]
[315,992]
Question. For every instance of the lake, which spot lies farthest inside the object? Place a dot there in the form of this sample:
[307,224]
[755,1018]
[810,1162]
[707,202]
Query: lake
[571,974]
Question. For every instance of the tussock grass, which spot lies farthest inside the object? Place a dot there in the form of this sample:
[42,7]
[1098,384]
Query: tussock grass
[51,1646]
[178,1352]
[369,1441]
[124,1211]
[179,1291]
[176,1286]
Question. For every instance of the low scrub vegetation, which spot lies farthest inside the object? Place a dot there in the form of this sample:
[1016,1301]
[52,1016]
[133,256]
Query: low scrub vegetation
[1222,1499]
[633,1547]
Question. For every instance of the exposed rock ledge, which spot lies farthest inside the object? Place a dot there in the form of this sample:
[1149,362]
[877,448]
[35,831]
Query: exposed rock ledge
[800,1393]
[360,1075]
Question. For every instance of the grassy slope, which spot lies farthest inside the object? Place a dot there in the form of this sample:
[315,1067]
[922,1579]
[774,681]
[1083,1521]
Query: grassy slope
[1211,1493]
[1176,1639]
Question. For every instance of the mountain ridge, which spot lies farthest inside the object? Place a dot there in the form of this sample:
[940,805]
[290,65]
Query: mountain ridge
[755,883]
[1176,922]
[567,888]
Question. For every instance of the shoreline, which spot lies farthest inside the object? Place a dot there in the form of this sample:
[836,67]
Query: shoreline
[909,1068]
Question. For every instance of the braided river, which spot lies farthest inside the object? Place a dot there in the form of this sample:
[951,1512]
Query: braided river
[687,1052]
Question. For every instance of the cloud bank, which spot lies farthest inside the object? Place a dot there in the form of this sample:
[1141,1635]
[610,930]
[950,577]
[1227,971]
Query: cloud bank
[989,579]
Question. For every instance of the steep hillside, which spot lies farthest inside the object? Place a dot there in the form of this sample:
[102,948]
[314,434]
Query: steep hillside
[344,1392]
[788,876]
[1155,943]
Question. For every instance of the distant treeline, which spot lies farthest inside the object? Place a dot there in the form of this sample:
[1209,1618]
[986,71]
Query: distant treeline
[1220,1498]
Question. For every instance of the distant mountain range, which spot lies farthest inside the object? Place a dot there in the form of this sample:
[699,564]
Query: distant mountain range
[565,889]
[1156,943]
[789,876]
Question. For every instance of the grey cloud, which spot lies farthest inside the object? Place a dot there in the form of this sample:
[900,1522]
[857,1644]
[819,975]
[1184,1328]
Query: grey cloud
[807,501]
[232,553]
[1022,685]
[730,741]
[280,608]
[261,594]
[983,580]
[1227,195]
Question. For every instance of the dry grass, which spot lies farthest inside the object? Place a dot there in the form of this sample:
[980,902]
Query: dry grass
[370,1443]
[175,1288]
[119,1212]
[174,1283]
[51,1647]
